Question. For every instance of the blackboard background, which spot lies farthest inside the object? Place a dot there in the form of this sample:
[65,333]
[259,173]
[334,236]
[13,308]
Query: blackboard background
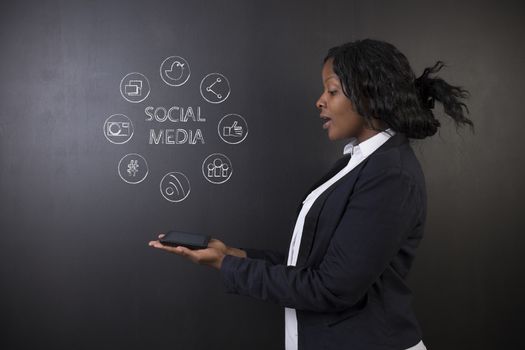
[75,268]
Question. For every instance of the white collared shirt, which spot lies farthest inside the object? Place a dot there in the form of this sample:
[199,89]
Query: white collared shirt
[359,153]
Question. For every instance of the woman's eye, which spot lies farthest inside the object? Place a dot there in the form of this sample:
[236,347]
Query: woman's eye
[332,92]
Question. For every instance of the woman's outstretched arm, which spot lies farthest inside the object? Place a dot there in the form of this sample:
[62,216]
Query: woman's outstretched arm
[381,213]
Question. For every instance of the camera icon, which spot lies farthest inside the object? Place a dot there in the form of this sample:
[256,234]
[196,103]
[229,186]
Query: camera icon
[121,129]
[118,129]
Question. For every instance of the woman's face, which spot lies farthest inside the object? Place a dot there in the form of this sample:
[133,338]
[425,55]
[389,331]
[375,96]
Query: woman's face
[337,110]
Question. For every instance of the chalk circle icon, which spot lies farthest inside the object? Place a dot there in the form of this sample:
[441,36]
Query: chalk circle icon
[215,88]
[175,187]
[118,129]
[217,168]
[133,168]
[175,71]
[232,128]
[134,87]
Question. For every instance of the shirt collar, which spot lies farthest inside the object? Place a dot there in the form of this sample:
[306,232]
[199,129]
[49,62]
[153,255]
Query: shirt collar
[369,145]
[349,147]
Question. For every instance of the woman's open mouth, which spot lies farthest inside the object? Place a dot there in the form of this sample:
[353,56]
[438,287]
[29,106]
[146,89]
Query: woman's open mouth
[326,122]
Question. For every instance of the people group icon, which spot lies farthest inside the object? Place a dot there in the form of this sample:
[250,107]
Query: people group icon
[217,168]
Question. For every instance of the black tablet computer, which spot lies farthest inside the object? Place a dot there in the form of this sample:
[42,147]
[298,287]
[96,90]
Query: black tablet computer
[185,239]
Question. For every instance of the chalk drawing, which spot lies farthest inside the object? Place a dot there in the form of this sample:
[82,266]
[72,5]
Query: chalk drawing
[133,168]
[215,88]
[217,168]
[134,87]
[173,114]
[175,71]
[175,187]
[232,128]
[118,129]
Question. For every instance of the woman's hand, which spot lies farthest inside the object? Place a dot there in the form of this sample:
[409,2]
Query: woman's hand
[211,256]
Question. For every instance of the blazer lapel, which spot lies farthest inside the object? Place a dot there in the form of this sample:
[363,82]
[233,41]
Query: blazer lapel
[312,218]
[338,165]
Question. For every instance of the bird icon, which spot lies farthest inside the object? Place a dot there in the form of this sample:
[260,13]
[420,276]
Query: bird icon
[175,72]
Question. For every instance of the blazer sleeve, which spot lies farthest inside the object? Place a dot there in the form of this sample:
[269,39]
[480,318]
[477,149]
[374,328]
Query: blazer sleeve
[271,256]
[379,213]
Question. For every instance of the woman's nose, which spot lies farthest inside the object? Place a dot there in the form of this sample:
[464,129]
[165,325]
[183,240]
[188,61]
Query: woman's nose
[320,103]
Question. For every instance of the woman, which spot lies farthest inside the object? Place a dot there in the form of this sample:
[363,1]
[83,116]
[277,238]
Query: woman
[343,283]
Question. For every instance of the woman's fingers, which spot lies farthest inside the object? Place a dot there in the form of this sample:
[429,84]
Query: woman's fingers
[217,244]
[157,244]
[208,256]
[180,250]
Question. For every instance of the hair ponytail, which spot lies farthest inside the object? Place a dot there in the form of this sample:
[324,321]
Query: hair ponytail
[431,89]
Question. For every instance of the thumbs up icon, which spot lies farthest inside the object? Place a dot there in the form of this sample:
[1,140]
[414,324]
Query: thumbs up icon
[234,130]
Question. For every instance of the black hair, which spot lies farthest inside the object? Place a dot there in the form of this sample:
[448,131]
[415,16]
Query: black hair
[379,81]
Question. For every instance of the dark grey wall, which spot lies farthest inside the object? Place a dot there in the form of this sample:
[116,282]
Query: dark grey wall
[75,268]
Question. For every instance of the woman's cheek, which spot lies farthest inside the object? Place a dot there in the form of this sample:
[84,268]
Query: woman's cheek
[335,131]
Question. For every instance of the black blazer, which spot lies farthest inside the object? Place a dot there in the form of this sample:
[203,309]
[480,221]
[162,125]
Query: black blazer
[358,244]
